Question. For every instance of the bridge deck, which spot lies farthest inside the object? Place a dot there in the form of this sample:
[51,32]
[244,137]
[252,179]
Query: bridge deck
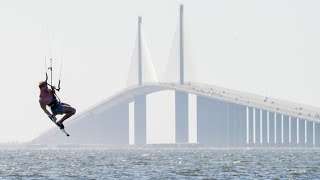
[247,99]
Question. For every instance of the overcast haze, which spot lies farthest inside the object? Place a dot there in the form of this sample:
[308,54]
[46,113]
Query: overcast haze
[264,47]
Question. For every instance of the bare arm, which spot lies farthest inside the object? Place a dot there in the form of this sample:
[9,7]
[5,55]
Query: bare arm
[44,108]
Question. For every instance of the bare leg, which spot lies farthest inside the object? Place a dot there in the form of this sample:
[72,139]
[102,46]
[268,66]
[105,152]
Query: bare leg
[68,111]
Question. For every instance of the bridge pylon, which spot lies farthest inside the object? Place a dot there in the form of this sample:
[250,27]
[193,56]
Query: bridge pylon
[141,69]
[181,75]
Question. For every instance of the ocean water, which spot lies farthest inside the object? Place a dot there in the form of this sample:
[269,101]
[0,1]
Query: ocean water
[159,163]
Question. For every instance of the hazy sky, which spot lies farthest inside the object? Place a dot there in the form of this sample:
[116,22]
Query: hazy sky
[264,47]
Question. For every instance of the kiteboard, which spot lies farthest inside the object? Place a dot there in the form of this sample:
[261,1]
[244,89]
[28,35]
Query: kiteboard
[60,127]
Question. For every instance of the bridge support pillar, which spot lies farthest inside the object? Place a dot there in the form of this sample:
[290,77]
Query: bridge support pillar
[251,126]
[298,131]
[282,138]
[256,126]
[275,128]
[293,131]
[305,132]
[261,127]
[207,130]
[237,125]
[182,108]
[302,132]
[317,134]
[268,127]
[313,134]
[264,127]
[290,134]
[221,124]
[279,129]
[309,130]
[286,130]
[271,128]
[247,126]
[140,120]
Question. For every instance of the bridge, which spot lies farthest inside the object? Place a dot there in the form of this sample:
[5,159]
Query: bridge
[225,117]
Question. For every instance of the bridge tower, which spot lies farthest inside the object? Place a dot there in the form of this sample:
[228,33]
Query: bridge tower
[181,98]
[181,39]
[139,52]
[140,101]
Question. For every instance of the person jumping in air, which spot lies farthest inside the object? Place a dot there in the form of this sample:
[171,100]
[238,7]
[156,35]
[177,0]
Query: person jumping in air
[49,98]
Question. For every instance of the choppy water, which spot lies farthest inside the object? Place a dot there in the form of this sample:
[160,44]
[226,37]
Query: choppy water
[160,163]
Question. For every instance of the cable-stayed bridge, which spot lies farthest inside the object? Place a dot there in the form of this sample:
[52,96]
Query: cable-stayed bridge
[225,117]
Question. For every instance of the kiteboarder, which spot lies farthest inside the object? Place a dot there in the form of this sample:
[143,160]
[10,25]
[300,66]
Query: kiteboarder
[48,97]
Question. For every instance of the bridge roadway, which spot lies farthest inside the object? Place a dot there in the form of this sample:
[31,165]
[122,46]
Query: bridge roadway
[278,106]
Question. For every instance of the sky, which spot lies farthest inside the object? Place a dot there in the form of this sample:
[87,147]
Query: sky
[269,48]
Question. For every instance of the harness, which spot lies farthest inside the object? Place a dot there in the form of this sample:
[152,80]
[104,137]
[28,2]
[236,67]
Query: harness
[55,104]
[55,100]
